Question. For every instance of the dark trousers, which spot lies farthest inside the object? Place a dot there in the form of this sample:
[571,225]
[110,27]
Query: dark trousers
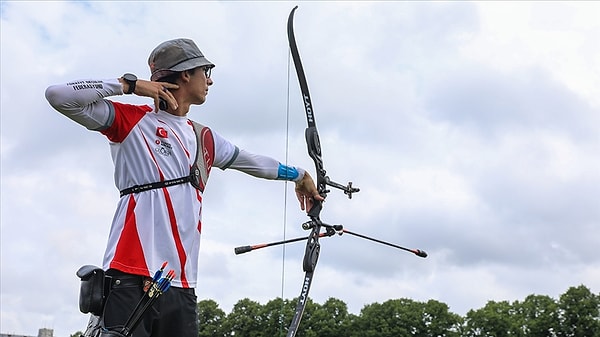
[174,314]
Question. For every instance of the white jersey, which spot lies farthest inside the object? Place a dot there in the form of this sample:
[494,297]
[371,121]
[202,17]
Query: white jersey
[162,224]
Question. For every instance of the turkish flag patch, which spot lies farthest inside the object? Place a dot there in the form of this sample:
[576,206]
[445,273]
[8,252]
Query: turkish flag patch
[161,132]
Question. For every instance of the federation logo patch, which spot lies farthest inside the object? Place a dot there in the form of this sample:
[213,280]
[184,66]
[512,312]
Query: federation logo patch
[163,148]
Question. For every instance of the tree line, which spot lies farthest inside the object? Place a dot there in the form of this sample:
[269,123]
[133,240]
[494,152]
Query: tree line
[576,313]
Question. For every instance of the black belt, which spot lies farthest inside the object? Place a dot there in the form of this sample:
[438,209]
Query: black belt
[158,184]
[118,278]
[121,279]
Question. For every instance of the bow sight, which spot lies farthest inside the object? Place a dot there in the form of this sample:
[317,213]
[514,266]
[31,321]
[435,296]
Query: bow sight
[314,151]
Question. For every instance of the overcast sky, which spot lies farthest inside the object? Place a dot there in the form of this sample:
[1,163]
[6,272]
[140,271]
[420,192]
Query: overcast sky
[471,128]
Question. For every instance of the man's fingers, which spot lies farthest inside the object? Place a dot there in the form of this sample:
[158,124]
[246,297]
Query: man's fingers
[167,96]
[301,200]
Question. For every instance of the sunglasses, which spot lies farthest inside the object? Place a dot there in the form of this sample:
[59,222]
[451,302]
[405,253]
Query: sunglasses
[207,71]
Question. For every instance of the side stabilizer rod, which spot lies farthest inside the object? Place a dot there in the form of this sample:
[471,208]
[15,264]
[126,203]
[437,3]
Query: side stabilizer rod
[417,252]
[246,249]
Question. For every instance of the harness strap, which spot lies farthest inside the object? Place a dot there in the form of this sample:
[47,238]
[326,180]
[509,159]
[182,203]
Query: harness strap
[155,185]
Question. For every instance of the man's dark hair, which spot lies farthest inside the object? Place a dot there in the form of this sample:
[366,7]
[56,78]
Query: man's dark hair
[172,78]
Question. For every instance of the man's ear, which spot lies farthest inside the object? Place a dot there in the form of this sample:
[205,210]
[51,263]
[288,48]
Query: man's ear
[185,76]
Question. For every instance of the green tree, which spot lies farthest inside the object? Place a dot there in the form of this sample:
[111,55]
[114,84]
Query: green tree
[495,319]
[244,319]
[579,313]
[276,316]
[575,314]
[537,316]
[393,318]
[328,320]
[439,321]
[210,319]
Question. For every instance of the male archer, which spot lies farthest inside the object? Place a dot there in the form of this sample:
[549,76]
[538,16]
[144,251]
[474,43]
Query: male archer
[162,161]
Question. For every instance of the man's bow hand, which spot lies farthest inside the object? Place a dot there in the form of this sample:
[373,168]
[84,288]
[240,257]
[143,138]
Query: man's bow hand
[307,192]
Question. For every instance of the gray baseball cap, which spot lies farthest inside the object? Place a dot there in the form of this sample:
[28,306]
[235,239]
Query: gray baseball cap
[174,56]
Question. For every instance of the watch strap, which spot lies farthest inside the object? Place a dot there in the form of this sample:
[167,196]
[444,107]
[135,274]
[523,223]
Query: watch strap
[131,82]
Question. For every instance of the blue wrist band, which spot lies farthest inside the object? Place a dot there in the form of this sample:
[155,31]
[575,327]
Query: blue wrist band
[286,172]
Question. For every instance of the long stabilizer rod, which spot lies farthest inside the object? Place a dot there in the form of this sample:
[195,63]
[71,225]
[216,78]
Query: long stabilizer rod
[339,230]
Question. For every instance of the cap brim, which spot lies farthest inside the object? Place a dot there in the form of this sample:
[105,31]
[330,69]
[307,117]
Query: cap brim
[186,65]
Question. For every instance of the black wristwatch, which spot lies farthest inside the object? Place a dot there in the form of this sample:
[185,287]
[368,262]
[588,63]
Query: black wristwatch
[131,80]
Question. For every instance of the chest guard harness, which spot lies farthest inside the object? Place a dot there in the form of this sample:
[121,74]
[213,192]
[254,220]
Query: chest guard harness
[200,170]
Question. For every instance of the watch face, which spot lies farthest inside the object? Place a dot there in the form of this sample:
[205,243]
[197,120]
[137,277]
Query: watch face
[130,77]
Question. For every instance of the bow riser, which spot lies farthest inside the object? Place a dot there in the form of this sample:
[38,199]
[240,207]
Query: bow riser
[314,151]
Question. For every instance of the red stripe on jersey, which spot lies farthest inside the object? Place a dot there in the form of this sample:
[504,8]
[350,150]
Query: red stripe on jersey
[149,148]
[129,255]
[180,250]
[126,117]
